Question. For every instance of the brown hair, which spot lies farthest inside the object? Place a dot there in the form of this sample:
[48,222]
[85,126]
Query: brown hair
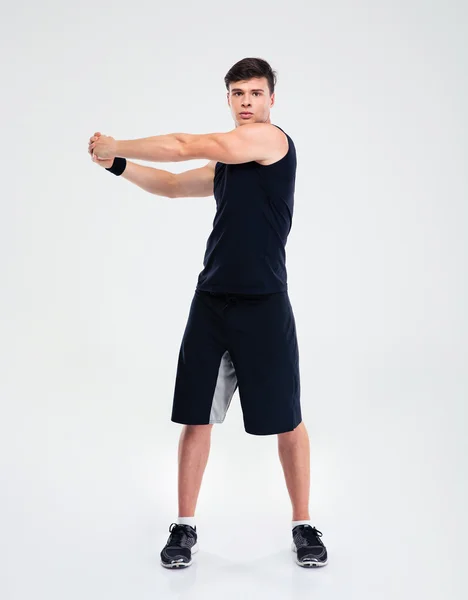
[248,68]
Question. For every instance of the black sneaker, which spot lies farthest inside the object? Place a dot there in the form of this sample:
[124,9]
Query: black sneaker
[180,545]
[310,549]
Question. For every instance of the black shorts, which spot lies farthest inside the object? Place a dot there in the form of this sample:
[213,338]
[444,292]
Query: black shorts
[245,341]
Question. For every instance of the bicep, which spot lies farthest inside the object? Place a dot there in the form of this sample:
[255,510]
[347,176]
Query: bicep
[195,183]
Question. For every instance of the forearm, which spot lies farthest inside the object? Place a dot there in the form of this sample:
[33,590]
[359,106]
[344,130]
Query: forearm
[154,181]
[158,148]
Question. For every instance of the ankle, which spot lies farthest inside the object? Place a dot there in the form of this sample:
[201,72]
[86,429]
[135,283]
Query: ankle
[301,516]
[187,521]
[294,523]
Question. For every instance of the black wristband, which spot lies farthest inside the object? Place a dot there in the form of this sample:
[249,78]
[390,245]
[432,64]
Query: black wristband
[118,166]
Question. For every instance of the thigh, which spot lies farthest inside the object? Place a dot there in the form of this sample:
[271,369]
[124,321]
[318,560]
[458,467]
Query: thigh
[263,344]
[205,379]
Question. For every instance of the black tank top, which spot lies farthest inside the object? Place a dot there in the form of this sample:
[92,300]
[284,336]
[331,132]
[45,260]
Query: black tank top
[245,252]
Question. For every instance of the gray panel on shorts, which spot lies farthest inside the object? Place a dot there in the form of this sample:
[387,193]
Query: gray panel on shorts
[226,385]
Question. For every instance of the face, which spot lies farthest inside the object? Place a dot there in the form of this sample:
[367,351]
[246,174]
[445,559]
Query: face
[250,96]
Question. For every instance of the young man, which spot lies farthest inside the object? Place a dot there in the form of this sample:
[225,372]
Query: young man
[241,328]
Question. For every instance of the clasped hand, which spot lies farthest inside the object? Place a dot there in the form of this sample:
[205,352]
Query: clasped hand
[102,147]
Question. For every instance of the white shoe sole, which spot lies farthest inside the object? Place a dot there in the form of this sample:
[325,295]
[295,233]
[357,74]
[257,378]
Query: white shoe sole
[177,564]
[308,562]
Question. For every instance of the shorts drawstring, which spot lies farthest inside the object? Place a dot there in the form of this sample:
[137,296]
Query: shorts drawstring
[230,298]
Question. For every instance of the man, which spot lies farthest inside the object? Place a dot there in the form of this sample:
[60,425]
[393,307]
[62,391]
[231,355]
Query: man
[241,328]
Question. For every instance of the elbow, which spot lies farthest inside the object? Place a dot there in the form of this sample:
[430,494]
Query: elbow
[182,150]
[173,191]
[194,147]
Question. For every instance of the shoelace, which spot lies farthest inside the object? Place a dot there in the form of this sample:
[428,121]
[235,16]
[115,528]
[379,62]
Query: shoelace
[178,533]
[311,534]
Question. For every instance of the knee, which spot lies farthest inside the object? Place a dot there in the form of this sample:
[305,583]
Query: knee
[198,429]
[290,435]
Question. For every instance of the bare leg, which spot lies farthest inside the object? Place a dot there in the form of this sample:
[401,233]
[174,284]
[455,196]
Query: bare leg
[294,453]
[194,449]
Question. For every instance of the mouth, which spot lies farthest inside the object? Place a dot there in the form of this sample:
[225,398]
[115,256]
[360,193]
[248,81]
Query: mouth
[246,115]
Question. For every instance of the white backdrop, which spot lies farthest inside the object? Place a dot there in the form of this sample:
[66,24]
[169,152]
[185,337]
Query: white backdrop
[97,277]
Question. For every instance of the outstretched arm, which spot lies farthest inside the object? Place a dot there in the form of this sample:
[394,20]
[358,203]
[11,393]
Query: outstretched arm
[255,141]
[189,184]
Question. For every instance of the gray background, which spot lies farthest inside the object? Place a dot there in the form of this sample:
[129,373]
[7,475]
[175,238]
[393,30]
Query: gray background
[97,277]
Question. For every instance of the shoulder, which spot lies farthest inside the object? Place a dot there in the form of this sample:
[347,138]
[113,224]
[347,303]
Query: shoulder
[265,131]
[279,141]
[267,136]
